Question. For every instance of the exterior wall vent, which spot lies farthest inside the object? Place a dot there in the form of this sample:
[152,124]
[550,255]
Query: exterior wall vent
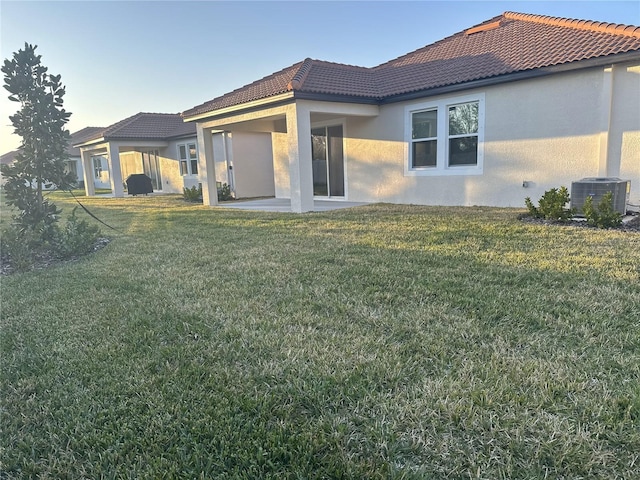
[596,187]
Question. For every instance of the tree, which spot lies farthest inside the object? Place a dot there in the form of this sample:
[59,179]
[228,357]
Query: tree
[35,235]
[40,122]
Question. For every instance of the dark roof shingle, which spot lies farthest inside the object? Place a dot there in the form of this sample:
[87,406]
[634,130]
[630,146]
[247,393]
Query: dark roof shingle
[147,126]
[509,43]
[81,136]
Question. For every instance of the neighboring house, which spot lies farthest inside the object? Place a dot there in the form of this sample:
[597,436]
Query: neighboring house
[504,110]
[73,163]
[165,148]
[7,159]
[143,143]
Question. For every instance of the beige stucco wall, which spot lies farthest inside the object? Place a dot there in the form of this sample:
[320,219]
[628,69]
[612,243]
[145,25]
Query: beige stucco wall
[253,165]
[130,163]
[222,157]
[173,182]
[545,131]
[280,155]
[625,126]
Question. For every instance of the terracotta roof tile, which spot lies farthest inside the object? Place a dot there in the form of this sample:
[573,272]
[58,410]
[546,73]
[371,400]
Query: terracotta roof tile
[9,157]
[509,43]
[269,86]
[77,137]
[81,136]
[148,126]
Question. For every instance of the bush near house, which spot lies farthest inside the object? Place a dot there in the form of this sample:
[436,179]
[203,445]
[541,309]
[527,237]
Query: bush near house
[551,205]
[194,194]
[603,215]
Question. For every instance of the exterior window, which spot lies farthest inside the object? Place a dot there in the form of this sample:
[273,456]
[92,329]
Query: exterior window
[193,158]
[425,138]
[445,137]
[463,134]
[71,167]
[97,167]
[182,157]
[188,158]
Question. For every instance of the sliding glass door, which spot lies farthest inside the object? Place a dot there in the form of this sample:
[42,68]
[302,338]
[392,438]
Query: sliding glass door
[328,161]
[151,165]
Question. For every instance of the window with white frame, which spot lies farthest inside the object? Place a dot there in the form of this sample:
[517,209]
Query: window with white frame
[188,157]
[445,137]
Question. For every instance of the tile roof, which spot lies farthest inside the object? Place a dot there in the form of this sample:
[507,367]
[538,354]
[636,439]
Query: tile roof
[509,43]
[147,126]
[77,137]
[81,136]
[9,157]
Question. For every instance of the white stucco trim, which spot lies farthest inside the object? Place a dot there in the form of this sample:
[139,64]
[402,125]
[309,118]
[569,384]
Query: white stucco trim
[300,167]
[87,172]
[441,168]
[206,166]
[236,108]
[115,172]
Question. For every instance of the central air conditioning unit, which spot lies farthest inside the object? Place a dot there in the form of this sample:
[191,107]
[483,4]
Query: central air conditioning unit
[596,188]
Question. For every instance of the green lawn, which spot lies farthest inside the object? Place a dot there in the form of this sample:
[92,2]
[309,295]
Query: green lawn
[377,342]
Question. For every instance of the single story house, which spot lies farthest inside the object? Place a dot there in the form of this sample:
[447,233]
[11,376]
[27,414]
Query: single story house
[143,143]
[73,163]
[506,109]
[165,148]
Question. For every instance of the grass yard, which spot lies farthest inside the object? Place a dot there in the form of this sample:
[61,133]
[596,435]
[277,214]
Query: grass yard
[378,342]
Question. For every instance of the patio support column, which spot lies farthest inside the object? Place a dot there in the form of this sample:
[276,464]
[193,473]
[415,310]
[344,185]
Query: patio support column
[87,173]
[115,172]
[300,166]
[206,166]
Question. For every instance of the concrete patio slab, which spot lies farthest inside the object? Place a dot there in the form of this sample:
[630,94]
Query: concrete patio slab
[284,205]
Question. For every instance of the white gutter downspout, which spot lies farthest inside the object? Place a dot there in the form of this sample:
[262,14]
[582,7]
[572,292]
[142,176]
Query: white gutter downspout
[228,163]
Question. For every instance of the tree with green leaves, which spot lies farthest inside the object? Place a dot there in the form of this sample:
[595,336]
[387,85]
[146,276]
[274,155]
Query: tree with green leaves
[40,122]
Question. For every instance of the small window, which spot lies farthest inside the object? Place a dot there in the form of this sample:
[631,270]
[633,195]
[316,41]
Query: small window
[188,158]
[97,167]
[463,134]
[71,167]
[193,158]
[425,138]
[182,157]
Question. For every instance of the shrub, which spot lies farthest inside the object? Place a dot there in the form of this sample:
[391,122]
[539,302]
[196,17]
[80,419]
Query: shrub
[76,238]
[193,194]
[602,216]
[551,205]
[224,192]
[23,248]
[19,249]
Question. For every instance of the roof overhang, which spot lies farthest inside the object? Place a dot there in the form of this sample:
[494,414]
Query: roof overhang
[89,143]
[292,96]
[244,107]
[512,77]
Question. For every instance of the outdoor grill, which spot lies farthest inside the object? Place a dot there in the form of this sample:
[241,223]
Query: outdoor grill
[138,184]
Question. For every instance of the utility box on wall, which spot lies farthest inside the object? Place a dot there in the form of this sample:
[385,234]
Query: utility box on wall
[596,187]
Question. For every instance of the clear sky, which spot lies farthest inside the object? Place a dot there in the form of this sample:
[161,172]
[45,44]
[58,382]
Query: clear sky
[118,58]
